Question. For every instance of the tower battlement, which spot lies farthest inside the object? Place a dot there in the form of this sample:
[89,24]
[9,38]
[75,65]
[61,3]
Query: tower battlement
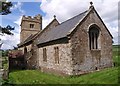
[36,18]
[30,25]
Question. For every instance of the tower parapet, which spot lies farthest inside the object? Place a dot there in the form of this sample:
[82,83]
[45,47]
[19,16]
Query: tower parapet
[30,25]
[37,18]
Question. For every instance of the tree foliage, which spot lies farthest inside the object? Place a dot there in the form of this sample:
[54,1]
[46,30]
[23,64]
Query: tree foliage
[5,7]
[4,10]
[6,30]
[5,53]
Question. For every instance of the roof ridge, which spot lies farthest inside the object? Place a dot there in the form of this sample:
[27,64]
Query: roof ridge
[70,21]
[57,33]
[60,23]
[74,17]
[40,32]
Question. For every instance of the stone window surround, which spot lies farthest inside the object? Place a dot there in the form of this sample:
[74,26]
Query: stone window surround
[93,38]
[44,55]
[56,54]
[31,25]
[99,43]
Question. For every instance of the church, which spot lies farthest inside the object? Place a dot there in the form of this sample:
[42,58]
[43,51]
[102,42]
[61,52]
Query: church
[79,45]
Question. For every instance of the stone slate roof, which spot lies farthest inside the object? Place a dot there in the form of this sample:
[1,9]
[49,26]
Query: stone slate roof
[27,40]
[61,30]
[32,37]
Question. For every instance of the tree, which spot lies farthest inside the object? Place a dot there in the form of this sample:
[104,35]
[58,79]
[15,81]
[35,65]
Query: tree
[4,10]
[5,7]
[6,30]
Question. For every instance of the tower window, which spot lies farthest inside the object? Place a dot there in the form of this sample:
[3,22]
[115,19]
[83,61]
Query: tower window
[31,25]
[93,38]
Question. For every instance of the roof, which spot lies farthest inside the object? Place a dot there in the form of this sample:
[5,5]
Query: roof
[103,23]
[33,36]
[66,28]
[27,40]
[61,30]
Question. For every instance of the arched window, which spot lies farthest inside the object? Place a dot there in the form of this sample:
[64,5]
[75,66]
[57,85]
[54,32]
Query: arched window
[93,37]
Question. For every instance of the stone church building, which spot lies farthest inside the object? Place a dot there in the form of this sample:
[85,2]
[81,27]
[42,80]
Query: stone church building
[76,46]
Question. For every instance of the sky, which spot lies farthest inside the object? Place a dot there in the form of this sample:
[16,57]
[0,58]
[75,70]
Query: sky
[63,9]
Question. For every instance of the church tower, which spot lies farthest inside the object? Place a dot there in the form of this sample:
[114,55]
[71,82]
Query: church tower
[30,26]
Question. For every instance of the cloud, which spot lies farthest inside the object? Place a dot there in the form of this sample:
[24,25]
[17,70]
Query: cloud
[0,20]
[24,0]
[65,9]
[18,6]
[18,21]
[10,41]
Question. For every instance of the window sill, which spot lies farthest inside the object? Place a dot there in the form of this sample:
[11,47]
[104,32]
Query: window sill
[57,64]
[45,61]
[95,50]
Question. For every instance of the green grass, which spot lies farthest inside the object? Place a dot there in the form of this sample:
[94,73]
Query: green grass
[105,76]
[35,77]
[116,47]
[116,55]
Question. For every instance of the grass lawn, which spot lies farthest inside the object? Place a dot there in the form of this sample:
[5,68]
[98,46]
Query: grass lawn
[105,76]
[116,55]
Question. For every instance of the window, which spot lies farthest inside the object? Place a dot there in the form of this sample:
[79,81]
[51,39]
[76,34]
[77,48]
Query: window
[31,25]
[93,38]
[56,55]
[25,50]
[44,55]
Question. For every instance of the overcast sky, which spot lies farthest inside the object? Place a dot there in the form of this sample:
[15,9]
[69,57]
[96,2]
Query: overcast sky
[63,9]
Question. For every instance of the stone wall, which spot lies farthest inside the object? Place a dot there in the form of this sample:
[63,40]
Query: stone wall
[64,67]
[22,49]
[26,31]
[24,34]
[30,56]
[32,50]
[32,61]
[35,58]
[29,47]
[84,59]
